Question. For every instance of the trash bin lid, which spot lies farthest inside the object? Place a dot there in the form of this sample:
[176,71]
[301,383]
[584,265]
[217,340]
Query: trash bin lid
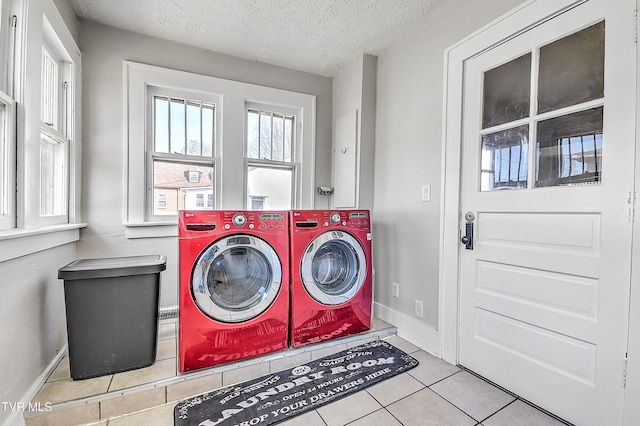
[113,267]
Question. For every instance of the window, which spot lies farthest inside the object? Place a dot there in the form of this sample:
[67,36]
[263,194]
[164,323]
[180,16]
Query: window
[162,201]
[39,63]
[221,180]
[181,154]
[7,158]
[271,171]
[7,124]
[56,105]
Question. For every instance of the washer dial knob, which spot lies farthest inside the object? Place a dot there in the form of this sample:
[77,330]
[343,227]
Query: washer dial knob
[239,220]
[335,218]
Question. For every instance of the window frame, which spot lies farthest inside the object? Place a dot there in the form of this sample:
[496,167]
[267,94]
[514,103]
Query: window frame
[293,165]
[8,159]
[152,155]
[23,28]
[63,130]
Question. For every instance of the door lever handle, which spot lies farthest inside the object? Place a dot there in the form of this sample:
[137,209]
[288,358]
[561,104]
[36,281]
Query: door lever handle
[467,238]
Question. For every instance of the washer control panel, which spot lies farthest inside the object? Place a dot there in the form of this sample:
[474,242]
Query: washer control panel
[258,220]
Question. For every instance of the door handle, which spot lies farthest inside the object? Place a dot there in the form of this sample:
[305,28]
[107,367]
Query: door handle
[467,238]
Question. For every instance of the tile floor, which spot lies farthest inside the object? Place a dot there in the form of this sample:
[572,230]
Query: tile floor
[433,393]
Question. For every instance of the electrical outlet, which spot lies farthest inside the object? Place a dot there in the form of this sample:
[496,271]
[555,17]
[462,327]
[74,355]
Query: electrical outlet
[419,309]
[395,290]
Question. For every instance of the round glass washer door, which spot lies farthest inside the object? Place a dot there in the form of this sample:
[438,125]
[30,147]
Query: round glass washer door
[333,268]
[236,278]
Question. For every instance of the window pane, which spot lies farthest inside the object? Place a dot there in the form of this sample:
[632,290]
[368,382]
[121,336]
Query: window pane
[265,135]
[177,127]
[193,129]
[49,94]
[181,186]
[505,159]
[569,149]
[507,92]
[53,200]
[272,186]
[6,170]
[207,130]
[572,69]
[269,135]
[253,135]
[288,138]
[161,127]
[278,138]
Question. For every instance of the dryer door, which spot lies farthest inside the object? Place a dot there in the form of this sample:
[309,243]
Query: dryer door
[236,278]
[333,267]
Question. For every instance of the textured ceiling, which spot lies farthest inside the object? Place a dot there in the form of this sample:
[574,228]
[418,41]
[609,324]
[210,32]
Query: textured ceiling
[317,36]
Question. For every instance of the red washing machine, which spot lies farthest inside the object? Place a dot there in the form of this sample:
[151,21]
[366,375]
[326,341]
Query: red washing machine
[234,286]
[331,283]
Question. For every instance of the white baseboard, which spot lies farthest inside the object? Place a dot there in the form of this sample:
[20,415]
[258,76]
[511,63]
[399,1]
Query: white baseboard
[418,333]
[17,417]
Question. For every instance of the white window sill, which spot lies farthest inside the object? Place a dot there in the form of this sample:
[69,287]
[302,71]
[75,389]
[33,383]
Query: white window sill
[151,229]
[16,243]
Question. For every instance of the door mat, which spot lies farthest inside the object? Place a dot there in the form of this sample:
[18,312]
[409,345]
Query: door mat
[279,396]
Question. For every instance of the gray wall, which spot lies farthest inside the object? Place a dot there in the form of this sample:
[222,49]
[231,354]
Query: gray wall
[33,320]
[32,313]
[408,154]
[104,48]
[354,88]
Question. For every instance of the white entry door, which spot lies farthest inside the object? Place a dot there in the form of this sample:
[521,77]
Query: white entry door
[547,174]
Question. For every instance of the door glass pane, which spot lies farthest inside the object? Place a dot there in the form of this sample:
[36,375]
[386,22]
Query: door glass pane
[505,159]
[239,278]
[572,69]
[270,188]
[569,149]
[335,268]
[507,91]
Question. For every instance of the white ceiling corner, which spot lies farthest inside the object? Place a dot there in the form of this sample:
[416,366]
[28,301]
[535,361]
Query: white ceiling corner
[317,36]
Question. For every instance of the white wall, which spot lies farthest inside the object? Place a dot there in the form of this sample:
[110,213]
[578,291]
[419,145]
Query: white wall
[354,89]
[408,155]
[104,48]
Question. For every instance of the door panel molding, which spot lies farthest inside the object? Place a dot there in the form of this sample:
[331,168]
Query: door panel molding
[621,28]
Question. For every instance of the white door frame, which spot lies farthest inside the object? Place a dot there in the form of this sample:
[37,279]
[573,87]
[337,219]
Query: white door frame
[520,19]
[631,414]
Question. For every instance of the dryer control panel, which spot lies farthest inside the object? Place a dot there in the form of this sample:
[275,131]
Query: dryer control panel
[320,219]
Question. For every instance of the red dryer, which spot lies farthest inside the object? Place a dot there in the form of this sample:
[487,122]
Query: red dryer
[234,286]
[331,274]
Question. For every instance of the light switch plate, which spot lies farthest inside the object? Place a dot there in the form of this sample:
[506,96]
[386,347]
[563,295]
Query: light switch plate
[426,192]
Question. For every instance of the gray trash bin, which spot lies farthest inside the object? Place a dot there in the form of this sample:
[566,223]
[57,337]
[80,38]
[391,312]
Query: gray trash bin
[112,313]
